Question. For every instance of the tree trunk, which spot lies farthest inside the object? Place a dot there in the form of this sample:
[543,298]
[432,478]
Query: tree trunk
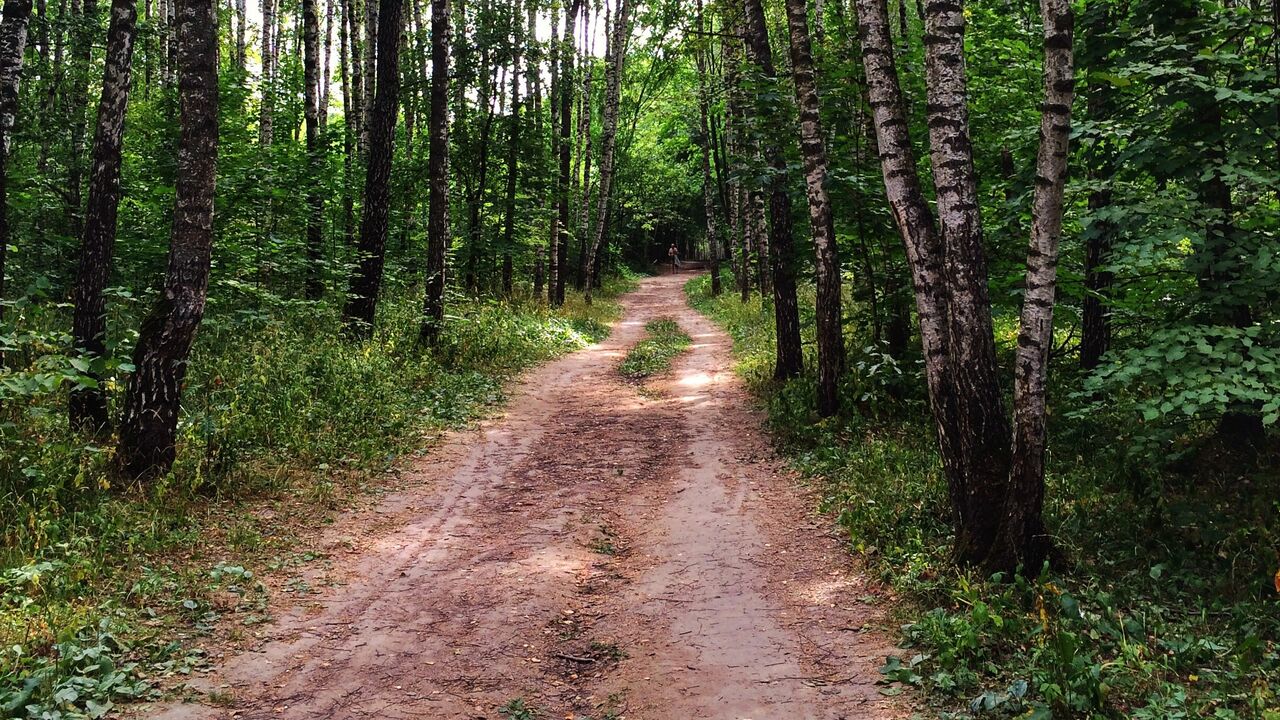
[559,265]
[13,41]
[350,125]
[266,85]
[1022,540]
[149,426]
[513,163]
[326,59]
[315,152]
[475,201]
[375,213]
[1095,333]
[357,78]
[584,154]
[242,44]
[830,331]
[88,406]
[438,171]
[78,104]
[977,428]
[790,357]
[553,194]
[709,191]
[372,48]
[614,67]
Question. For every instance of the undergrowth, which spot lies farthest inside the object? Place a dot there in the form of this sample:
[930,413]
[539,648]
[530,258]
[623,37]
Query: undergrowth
[1167,610]
[664,340]
[283,423]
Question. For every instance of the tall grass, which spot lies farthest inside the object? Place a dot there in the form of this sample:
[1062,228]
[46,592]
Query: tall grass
[1167,610]
[277,404]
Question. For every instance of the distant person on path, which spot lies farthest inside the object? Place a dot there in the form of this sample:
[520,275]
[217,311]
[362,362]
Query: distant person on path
[675,258]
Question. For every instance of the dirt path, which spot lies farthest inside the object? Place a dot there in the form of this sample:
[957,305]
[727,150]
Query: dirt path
[605,550]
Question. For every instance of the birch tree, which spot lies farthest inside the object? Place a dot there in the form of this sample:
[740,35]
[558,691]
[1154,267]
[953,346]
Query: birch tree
[149,425]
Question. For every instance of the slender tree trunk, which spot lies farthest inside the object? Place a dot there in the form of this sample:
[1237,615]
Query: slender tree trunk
[366,283]
[614,68]
[372,40]
[475,202]
[356,75]
[438,171]
[1022,540]
[1095,333]
[149,425]
[708,190]
[13,40]
[553,195]
[830,331]
[513,163]
[584,154]
[242,43]
[88,406]
[315,152]
[78,104]
[790,358]
[560,263]
[326,59]
[270,43]
[350,125]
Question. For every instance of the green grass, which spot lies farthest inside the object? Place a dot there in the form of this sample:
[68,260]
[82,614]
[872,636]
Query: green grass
[663,341]
[1167,611]
[283,424]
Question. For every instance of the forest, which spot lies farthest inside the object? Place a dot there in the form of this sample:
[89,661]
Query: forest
[1001,277]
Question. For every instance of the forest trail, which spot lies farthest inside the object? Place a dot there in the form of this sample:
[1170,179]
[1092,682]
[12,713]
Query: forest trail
[602,550]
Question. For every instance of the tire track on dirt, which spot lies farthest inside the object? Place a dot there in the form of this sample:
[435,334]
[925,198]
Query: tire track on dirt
[600,548]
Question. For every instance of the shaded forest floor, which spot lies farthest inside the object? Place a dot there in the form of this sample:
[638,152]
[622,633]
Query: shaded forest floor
[615,545]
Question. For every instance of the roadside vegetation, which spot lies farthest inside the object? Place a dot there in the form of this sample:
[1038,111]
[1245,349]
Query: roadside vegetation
[1164,607]
[103,588]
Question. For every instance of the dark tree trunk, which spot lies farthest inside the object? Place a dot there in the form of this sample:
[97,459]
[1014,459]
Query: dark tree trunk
[1095,337]
[438,170]
[315,152]
[88,406]
[149,425]
[13,41]
[366,283]
[786,310]
[830,331]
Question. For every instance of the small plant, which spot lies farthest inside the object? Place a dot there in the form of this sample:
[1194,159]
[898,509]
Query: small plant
[517,710]
[607,651]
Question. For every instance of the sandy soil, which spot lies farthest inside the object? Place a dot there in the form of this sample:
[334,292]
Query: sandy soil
[603,550]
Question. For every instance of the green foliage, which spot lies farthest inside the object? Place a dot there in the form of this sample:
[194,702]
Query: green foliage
[277,403]
[664,340]
[1167,611]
